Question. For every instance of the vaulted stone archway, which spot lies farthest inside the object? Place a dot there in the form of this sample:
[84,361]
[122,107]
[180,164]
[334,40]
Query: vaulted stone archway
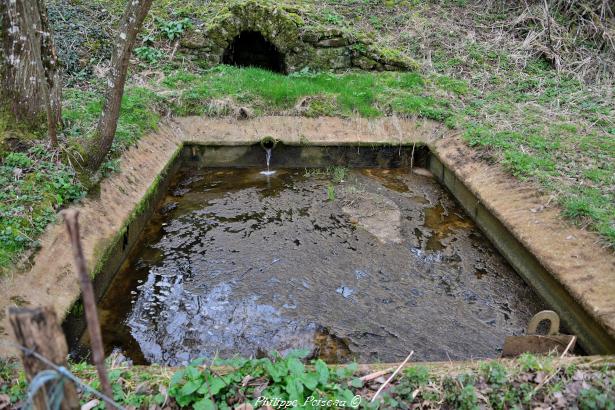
[282,29]
[251,49]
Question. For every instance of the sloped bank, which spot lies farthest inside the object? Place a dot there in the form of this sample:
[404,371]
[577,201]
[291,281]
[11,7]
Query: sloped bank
[112,221]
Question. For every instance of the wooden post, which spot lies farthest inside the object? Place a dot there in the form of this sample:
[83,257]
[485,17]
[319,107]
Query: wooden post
[38,330]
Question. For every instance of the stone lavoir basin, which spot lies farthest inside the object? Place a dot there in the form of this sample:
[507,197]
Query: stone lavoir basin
[343,251]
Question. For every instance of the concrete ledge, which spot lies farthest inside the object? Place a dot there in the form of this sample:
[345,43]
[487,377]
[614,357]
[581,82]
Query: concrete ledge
[592,336]
[563,263]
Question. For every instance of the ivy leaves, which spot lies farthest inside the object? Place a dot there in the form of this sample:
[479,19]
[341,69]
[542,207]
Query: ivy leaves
[280,378]
[34,185]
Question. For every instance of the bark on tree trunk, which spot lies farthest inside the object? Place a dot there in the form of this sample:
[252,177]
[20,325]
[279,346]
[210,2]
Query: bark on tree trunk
[135,13]
[31,80]
[50,62]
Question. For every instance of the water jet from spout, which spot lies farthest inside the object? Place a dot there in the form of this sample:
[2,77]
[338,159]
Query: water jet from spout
[268,145]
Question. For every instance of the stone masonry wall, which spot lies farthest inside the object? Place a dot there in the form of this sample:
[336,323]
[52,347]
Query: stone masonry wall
[304,46]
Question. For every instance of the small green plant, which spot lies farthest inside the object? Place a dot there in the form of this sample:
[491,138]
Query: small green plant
[280,378]
[338,174]
[314,173]
[12,383]
[172,30]
[77,309]
[467,398]
[18,160]
[417,375]
[149,54]
[529,362]
[460,391]
[332,17]
[148,39]
[331,192]
[376,22]
[594,399]
[111,166]
[494,373]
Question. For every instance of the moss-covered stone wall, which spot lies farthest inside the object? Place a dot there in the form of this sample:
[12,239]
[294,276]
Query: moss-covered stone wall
[303,45]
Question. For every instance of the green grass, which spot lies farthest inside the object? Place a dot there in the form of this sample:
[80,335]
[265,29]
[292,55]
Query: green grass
[547,152]
[336,174]
[534,149]
[568,150]
[544,128]
[352,94]
[553,129]
[138,115]
[47,181]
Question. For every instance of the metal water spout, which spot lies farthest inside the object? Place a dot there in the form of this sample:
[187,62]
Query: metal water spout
[268,143]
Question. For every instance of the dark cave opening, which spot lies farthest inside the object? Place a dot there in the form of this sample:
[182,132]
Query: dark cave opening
[251,49]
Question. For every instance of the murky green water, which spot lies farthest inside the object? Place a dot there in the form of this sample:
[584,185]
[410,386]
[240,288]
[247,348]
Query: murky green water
[235,263]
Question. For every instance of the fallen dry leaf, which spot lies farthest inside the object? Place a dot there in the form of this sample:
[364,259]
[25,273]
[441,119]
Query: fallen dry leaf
[578,375]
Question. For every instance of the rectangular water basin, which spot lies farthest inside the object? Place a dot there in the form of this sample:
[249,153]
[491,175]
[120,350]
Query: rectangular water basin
[343,251]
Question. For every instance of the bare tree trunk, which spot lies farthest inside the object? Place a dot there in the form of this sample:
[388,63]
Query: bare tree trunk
[49,59]
[31,80]
[135,13]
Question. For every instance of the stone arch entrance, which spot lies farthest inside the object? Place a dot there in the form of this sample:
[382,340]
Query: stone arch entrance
[263,34]
[252,49]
